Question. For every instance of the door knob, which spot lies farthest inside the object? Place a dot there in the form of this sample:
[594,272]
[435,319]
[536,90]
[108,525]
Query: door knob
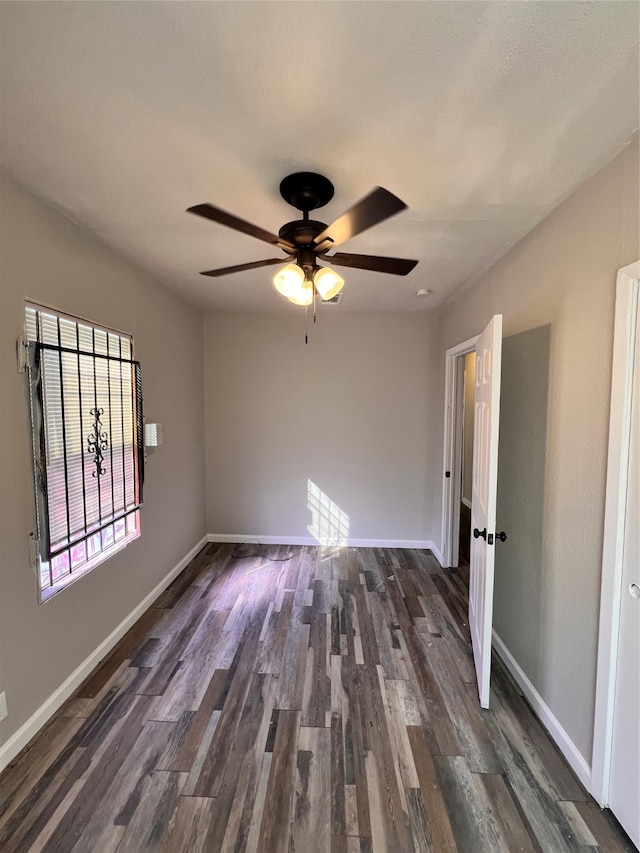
[478,533]
[501,536]
[634,590]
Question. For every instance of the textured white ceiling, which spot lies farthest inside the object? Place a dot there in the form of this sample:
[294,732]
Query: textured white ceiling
[481,116]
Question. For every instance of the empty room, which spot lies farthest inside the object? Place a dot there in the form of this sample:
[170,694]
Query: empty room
[319,426]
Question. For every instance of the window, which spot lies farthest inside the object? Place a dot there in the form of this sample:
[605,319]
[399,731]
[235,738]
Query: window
[86,417]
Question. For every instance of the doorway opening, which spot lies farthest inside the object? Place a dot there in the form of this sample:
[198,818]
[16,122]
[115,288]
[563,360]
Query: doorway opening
[466,442]
[458,453]
[486,404]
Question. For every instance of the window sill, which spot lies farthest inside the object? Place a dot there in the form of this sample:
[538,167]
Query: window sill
[64,583]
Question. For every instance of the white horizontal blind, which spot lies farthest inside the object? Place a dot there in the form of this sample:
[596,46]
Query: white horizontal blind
[85,392]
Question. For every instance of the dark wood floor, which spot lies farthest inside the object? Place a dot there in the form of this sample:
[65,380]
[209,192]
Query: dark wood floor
[324,703]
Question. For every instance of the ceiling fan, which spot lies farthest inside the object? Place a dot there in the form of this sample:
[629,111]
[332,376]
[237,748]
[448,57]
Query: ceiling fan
[305,240]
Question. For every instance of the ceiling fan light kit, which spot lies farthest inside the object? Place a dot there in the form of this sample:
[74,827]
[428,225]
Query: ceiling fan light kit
[296,284]
[328,283]
[305,295]
[305,240]
[289,280]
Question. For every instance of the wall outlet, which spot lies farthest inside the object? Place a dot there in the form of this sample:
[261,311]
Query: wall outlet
[3,705]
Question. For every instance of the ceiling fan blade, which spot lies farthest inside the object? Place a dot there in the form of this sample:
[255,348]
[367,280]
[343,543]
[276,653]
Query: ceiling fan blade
[241,267]
[208,211]
[379,205]
[375,263]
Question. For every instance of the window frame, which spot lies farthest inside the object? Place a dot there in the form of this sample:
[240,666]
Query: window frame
[68,469]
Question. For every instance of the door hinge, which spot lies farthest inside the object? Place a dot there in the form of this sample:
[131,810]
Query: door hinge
[34,550]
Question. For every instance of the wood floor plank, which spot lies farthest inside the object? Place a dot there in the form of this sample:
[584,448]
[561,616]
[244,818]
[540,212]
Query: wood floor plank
[188,826]
[177,588]
[200,658]
[257,729]
[294,663]
[122,797]
[604,828]
[125,650]
[442,836]
[212,773]
[442,734]
[272,651]
[351,811]
[49,748]
[466,715]
[364,625]
[532,788]
[158,801]
[30,822]
[42,834]
[337,777]
[188,735]
[580,829]
[105,756]
[316,698]
[355,769]
[472,819]
[200,755]
[253,835]
[386,628]
[420,828]
[278,803]
[230,821]
[311,829]
[513,831]
[386,794]
[401,746]
[298,698]
[556,769]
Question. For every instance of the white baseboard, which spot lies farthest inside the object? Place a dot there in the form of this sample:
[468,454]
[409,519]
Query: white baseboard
[578,763]
[424,544]
[32,726]
[436,553]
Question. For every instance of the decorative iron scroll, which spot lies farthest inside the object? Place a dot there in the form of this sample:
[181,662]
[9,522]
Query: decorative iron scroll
[97,442]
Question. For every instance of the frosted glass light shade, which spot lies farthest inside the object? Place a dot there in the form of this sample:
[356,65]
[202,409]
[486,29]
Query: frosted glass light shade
[328,283]
[289,280]
[304,296]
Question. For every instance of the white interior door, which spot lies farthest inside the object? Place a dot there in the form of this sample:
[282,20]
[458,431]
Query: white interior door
[624,785]
[483,504]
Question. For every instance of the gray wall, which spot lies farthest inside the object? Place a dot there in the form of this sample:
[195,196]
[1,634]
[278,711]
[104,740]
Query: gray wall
[562,277]
[521,492]
[348,412]
[46,258]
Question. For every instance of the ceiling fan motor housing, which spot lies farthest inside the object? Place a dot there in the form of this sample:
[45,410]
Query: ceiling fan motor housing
[302,232]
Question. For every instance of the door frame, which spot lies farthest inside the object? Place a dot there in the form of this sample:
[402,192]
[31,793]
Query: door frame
[627,304]
[452,451]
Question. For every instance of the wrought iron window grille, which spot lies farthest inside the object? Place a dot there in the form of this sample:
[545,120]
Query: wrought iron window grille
[80,391]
